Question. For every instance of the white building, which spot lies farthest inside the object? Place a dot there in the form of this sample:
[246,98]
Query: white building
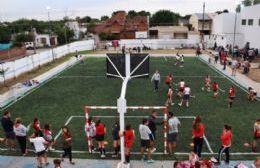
[250,25]
[74,26]
[224,30]
[44,40]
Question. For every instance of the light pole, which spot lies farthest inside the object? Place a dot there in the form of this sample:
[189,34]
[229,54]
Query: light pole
[235,29]
[49,31]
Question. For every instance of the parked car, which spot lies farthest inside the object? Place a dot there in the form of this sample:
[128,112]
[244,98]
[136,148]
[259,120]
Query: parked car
[29,45]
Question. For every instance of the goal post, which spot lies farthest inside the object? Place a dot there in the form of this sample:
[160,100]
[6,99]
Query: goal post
[163,109]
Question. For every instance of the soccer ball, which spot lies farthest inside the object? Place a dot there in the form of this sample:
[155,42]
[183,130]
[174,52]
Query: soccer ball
[202,88]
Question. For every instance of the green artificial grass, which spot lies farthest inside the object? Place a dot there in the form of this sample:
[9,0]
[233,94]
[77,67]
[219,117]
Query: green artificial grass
[86,84]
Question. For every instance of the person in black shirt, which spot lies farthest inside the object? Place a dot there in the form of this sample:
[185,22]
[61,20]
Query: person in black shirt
[116,139]
[8,128]
[152,126]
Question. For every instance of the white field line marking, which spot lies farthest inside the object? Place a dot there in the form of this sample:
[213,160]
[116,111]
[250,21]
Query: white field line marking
[101,76]
[181,117]
[208,145]
[221,90]
[155,153]
[59,133]
[227,77]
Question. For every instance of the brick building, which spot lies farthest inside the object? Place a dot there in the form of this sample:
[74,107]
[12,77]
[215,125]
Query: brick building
[123,27]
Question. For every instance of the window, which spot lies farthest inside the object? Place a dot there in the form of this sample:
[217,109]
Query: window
[250,22]
[243,21]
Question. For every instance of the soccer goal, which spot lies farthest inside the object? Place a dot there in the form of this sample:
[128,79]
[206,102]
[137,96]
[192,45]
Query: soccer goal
[133,119]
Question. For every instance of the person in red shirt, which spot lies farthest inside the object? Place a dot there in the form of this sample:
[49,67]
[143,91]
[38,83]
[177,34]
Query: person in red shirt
[231,96]
[226,139]
[169,79]
[197,135]
[37,127]
[169,96]
[129,136]
[215,89]
[256,135]
[100,137]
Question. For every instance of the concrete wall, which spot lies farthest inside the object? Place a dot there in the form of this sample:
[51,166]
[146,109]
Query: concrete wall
[251,33]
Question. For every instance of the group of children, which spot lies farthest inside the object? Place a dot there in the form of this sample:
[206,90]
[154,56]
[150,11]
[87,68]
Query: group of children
[41,139]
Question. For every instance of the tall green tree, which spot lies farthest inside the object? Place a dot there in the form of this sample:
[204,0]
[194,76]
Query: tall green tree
[5,34]
[164,17]
[247,2]
[256,2]
[103,18]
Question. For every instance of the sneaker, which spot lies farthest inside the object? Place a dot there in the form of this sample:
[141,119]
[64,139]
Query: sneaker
[179,104]
[51,149]
[143,158]
[153,150]
[172,104]
[72,163]
[150,161]
[103,156]
[47,163]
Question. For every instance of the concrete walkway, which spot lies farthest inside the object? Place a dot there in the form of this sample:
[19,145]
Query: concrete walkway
[30,162]
[239,79]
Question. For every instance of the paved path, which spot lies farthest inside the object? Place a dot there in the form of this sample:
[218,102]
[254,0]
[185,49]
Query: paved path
[241,79]
[30,162]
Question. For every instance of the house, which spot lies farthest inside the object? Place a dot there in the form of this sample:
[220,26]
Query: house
[224,30]
[76,28]
[45,40]
[250,25]
[202,23]
[170,32]
[122,27]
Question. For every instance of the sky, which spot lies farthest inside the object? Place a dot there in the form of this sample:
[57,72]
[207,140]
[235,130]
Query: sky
[37,9]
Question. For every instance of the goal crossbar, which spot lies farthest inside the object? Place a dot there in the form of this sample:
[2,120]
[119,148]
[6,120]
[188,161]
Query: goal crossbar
[164,109]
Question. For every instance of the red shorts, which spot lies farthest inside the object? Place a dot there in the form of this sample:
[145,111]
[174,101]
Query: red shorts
[215,90]
[129,144]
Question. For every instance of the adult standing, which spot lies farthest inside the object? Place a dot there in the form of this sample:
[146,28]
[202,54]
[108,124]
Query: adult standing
[156,79]
[226,139]
[146,136]
[152,126]
[20,133]
[8,128]
[66,144]
[234,67]
[39,145]
[90,130]
[173,125]
[198,130]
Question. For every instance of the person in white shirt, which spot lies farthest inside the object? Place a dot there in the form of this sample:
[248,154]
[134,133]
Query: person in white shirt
[186,96]
[90,130]
[178,57]
[40,149]
[181,88]
[146,135]
[156,79]
[234,67]
[20,132]
[173,125]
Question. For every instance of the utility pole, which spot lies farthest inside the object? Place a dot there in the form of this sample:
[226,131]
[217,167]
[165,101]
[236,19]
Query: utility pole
[65,35]
[49,32]
[203,17]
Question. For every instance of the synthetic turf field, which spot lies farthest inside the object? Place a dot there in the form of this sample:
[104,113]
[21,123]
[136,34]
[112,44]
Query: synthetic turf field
[86,84]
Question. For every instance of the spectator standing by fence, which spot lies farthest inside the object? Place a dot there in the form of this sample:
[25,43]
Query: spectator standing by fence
[66,144]
[156,80]
[226,139]
[8,128]
[197,134]
[21,132]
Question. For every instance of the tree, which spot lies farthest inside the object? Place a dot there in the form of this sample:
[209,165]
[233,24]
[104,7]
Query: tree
[144,13]
[103,18]
[21,38]
[256,2]
[5,34]
[132,13]
[247,2]
[164,17]
[238,8]
[85,19]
